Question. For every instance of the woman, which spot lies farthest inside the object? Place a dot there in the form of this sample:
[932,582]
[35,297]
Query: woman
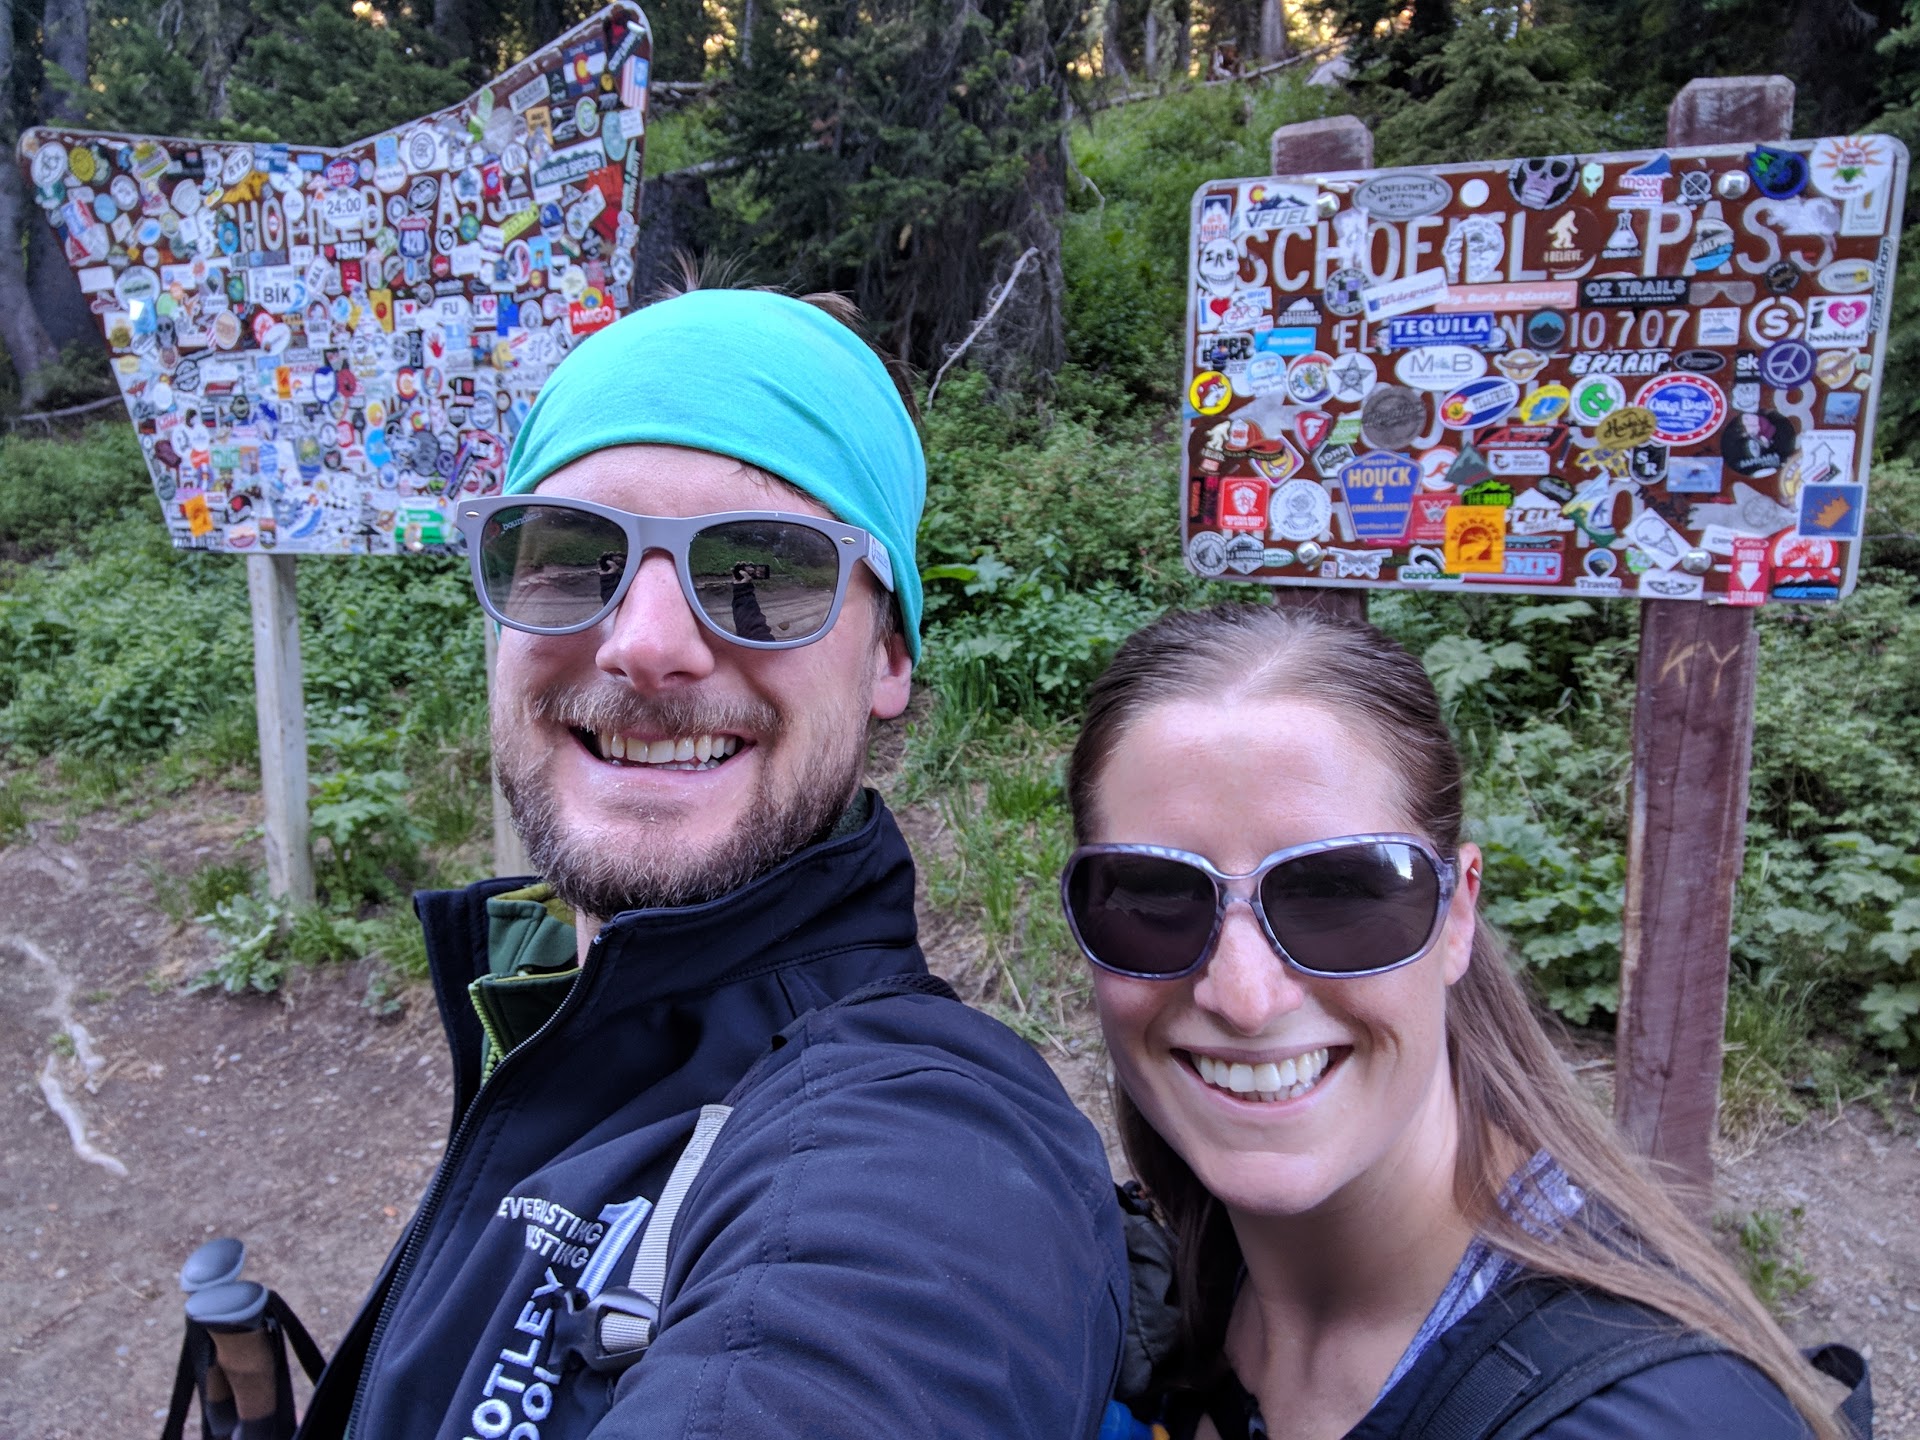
[1365,1146]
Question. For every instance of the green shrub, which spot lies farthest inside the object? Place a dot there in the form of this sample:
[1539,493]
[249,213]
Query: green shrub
[58,489]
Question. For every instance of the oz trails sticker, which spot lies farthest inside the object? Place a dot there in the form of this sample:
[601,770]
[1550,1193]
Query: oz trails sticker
[1686,409]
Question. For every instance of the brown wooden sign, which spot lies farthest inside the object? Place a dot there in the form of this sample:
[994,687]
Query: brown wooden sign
[1649,375]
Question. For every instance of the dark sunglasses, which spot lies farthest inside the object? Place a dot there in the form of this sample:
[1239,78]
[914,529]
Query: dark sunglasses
[760,578]
[1356,905]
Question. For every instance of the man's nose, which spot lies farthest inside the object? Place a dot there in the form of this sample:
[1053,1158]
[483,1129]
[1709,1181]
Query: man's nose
[652,641]
[1245,984]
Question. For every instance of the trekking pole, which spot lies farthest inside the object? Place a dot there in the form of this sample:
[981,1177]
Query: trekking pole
[234,1353]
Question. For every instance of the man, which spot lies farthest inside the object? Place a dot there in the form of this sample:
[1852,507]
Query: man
[902,1226]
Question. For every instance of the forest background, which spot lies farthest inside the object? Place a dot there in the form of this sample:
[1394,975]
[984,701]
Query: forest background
[909,152]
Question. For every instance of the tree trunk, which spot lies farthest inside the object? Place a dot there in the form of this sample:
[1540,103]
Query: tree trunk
[749,17]
[1155,69]
[1273,30]
[63,310]
[1113,61]
[453,27]
[28,347]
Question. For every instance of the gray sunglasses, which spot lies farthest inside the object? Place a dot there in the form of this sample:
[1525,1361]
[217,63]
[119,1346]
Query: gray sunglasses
[1352,905]
[765,579]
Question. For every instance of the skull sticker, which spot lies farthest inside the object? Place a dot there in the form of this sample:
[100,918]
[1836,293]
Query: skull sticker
[1540,184]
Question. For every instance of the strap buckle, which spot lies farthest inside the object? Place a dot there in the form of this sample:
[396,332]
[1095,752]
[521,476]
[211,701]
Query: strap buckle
[611,1330]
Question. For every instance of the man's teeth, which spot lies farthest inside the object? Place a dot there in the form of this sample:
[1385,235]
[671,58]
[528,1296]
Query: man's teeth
[1288,1080]
[697,752]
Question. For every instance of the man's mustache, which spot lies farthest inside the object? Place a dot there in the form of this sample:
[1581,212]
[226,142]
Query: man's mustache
[617,710]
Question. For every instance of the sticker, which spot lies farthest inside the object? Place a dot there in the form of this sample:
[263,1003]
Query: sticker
[1545,405]
[1210,392]
[1300,510]
[1345,294]
[1207,553]
[1292,341]
[1246,553]
[1520,366]
[1352,377]
[1541,184]
[1776,318]
[1308,380]
[1834,320]
[1625,428]
[1667,585]
[1700,362]
[1694,475]
[1806,568]
[1535,514]
[1847,277]
[1787,363]
[1546,329]
[1311,426]
[1544,294]
[1480,402]
[1712,245]
[1570,242]
[1397,297]
[1826,457]
[1626,290]
[1759,442]
[1273,205]
[1440,367]
[1686,408]
[1656,539]
[1832,511]
[1851,165]
[1476,540]
[1243,505]
[1405,195]
[1434,465]
[1777,174]
[1378,490]
[1747,573]
[1593,398]
[1469,327]
[1644,187]
[1718,326]
[1841,408]
[1392,417]
[1473,250]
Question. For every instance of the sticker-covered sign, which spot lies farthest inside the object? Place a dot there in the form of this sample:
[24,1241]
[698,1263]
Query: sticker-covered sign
[323,350]
[1644,375]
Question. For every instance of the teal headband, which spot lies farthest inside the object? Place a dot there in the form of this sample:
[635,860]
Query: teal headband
[759,377]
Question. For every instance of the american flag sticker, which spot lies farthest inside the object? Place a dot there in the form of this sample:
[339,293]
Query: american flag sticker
[633,83]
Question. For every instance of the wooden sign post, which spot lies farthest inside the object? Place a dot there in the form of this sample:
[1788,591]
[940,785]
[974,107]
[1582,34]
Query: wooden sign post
[1692,754]
[280,710]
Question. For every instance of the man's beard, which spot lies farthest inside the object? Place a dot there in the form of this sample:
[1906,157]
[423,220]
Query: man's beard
[597,879]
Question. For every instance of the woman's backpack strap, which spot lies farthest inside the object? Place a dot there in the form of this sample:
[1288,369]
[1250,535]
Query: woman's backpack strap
[1544,1349]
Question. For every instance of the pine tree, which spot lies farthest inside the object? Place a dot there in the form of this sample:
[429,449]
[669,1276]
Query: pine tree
[909,151]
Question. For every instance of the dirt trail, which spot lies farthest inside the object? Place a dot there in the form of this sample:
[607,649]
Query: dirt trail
[307,1126]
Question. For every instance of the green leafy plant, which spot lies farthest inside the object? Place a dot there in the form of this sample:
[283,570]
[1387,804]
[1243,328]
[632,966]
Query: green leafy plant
[254,955]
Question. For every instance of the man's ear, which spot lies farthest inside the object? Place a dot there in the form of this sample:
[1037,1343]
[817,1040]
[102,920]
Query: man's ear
[892,675]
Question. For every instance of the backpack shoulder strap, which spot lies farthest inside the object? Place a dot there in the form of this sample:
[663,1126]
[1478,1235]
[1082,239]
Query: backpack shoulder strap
[1549,1347]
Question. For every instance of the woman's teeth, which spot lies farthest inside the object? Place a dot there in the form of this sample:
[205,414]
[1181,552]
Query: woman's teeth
[1288,1080]
[697,752]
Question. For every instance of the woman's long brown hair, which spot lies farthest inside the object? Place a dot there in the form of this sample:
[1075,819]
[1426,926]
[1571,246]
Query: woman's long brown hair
[1515,1095]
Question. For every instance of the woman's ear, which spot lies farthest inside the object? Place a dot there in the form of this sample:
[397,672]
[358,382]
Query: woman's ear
[1456,941]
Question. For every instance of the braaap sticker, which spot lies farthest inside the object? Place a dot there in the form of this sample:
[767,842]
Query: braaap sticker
[1634,292]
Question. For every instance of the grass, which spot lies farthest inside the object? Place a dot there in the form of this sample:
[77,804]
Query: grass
[1769,1253]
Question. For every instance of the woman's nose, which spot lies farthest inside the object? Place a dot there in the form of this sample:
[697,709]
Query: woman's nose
[1245,983]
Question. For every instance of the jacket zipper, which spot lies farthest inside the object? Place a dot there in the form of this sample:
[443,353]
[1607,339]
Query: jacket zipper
[436,1192]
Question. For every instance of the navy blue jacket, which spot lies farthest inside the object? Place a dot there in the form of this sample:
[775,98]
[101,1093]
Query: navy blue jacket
[905,1228]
